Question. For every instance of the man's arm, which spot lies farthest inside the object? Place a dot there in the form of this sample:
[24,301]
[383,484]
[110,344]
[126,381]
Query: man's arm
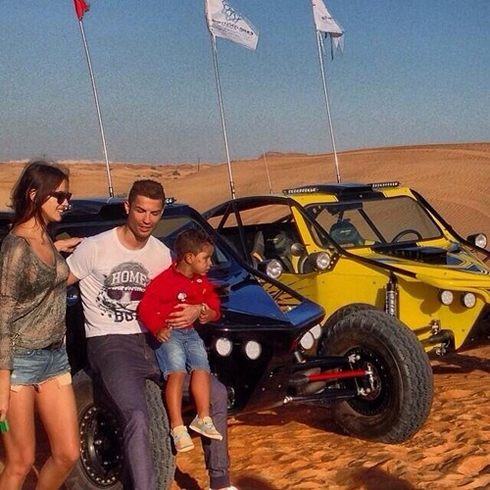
[72,279]
[81,261]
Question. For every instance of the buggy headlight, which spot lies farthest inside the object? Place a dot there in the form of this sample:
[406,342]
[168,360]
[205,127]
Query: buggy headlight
[253,350]
[446,297]
[273,269]
[223,346]
[479,239]
[307,341]
[316,331]
[321,260]
[468,300]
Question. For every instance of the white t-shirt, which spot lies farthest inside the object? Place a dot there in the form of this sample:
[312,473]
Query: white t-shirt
[113,279]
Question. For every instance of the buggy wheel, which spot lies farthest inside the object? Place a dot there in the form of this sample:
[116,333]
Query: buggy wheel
[346,311]
[161,446]
[102,465]
[395,401]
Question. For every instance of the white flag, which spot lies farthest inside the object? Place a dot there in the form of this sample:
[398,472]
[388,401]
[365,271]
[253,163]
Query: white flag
[223,21]
[324,22]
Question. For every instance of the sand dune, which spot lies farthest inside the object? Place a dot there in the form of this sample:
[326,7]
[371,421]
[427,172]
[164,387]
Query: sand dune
[453,178]
[298,447]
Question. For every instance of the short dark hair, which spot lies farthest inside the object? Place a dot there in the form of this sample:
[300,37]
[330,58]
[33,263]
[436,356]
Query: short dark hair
[147,188]
[192,240]
[42,176]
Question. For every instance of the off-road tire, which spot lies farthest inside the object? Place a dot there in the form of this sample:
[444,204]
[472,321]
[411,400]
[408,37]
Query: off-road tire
[402,400]
[161,446]
[346,311]
[332,320]
[101,440]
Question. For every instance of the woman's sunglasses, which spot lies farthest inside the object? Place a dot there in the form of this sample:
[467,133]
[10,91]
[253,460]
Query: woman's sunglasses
[61,196]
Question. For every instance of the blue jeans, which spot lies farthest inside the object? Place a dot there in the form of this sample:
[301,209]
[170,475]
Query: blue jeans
[216,454]
[33,367]
[122,364]
[183,352]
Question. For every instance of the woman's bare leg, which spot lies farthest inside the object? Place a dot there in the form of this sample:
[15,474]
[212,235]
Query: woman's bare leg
[57,409]
[20,440]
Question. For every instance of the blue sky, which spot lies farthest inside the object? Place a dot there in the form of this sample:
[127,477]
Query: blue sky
[411,72]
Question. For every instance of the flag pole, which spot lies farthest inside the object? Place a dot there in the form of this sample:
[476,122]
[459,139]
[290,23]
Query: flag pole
[222,113]
[268,174]
[223,21]
[319,44]
[96,99]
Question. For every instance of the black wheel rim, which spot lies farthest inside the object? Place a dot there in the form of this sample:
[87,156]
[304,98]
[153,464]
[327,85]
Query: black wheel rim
[377,389]
[101,446]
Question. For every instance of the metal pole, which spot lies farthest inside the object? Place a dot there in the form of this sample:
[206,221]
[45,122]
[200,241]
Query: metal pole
[327,103]
[94,89]
[268,174]
[222,113]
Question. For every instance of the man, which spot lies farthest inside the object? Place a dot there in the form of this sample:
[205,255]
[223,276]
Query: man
[114,269]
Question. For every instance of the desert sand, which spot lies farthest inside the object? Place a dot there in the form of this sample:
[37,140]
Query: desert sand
[299,447]
[453,178]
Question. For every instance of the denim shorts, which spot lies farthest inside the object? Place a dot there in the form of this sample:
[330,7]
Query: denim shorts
[183,352]
[36,366]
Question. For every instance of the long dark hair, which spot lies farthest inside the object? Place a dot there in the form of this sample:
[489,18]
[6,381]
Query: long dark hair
[41,176]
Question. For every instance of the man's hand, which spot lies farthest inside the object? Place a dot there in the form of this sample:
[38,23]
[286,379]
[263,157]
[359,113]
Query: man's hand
[67,245]
[184,315]
[163,334]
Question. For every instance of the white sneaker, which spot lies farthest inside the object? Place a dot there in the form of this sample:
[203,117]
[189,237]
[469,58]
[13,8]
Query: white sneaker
[206,428]
[227,488]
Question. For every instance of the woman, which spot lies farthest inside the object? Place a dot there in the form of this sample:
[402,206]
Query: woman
[34,368]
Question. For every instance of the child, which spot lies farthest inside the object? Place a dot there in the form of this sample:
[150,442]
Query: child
[182,349]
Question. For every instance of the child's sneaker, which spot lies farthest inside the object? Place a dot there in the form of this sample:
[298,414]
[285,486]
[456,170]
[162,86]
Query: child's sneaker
[182,439]
[205,427]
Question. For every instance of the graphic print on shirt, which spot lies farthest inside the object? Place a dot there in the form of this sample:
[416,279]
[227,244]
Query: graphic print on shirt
[123,289]
[182,296]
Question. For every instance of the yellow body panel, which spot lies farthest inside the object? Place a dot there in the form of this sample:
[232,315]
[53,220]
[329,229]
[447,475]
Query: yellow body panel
[410,245]
[418,297]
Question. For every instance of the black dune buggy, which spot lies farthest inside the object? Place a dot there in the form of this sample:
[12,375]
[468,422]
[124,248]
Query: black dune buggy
[374,372]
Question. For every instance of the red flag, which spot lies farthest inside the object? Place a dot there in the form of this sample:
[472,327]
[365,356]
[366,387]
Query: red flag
[80,8]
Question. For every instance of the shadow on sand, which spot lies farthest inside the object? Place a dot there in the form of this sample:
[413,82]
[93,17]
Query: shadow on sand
[184,480]
[377,479]
[460,362]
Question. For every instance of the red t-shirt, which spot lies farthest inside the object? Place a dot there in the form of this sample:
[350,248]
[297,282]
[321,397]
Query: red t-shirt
[171,288]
